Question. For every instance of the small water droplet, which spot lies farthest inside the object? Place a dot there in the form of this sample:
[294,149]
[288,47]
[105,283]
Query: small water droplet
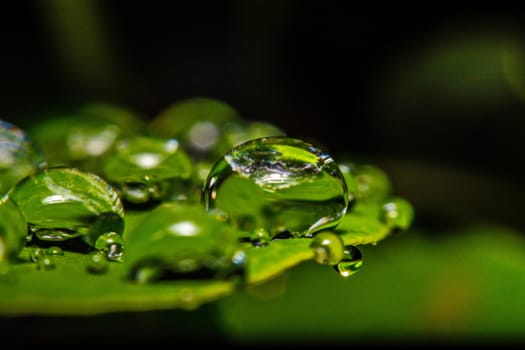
[397,213]
[45,262]
[98,263]
[366,182]
[54,250]
[328,248]
[260,237]
[148,170]
[351,262]
[64,203]
[196,122]
[279,184]
[82,135]
[112,245]
[35,254]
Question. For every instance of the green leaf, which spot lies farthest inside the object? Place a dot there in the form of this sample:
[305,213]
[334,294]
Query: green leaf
[69,289]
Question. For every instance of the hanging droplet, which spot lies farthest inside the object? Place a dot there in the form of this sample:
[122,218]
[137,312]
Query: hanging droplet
[82,135]
[328,248]
[351,262]
[64,203]
[19,156]
[13,230]
[397,213]
[196,122]
[177,241]
[97,264]
[279,184]
[54,250]
[148,170]
[111,244]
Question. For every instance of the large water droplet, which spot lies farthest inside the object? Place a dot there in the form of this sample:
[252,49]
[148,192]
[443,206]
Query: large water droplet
[397,213]
[13,230]
[328,248]
[148,170]
[19,156]
[351,262]
[176,241]
[279,184]
[64,203]
[196,122]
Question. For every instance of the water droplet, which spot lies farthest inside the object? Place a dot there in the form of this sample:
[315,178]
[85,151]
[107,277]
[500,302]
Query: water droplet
[177,241]
[19,156]
[64,203]
[54,250]
[260,237]
[196,122]
[328,248]
[36,254]
[280,184]
[397,213]
[45,262]
[147,169]
[82,135]
[13,230]
[98,263]
[366,181]
[112,245]
[351,261]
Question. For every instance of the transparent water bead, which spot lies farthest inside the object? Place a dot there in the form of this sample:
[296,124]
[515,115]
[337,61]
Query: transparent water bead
[397,213]
[80,137]
[13,230]
[148,169]
[19,156]
[280,184]
[328,248]
[350,263]
[197,122]
[368,182]
[176,241]
[63,203]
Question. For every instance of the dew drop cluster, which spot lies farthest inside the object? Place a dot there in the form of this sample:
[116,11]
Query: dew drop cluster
[210,186]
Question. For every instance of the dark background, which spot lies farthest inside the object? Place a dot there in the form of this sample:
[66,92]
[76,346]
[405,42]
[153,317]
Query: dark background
[435,95]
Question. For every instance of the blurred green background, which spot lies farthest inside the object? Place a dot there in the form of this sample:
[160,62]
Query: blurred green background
[436,97]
